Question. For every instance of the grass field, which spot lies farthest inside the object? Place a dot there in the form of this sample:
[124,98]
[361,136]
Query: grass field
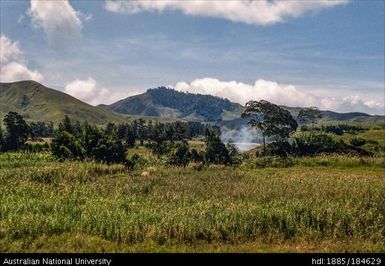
[85,207]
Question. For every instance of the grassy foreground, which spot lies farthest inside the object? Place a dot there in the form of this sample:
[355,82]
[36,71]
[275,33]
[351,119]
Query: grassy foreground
[85,207]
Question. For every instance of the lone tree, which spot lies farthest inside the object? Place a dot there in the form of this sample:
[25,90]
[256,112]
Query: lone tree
[270,119]
[309,115]
[17,131]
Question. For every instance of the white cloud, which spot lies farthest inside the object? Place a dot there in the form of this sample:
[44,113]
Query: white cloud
[242,92]
[13,67]
[8,50]
[89,91]
[282,94]
[61,23]
[261,12]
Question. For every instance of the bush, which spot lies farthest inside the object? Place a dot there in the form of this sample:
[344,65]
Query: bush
[357,142]
[65,146]
[195,156]
[278,148]
[181,156]
[216,152]
[311,144]
[36,147]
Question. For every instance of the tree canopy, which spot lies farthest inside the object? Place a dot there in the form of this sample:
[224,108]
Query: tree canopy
[17,131]
[270,119]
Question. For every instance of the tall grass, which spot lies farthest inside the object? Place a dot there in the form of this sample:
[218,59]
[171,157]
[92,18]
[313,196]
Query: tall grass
[342,161]
[177,206]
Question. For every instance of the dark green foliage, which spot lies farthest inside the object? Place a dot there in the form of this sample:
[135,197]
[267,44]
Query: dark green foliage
[2,140]
[91,137]
[66,125]
[64,145]
[310,144]
[138,160]
[160,143]
[109,151]
[278,148]
[181,155]
[143,130]
[179,131]
[125,132]
[41,130]
[357,141]
[270,119]
[216,152]
[135,161]
[82,142]
[210,108]
[195,156]
[194,129]
[17,131]
[141,133]
[77,141]
[36,147]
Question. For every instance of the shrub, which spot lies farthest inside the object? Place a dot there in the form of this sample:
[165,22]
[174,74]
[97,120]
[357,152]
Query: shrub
[181,156]
[196,156]
[311,144]
[216,152]
[278,148]
[65,146]
[357,142]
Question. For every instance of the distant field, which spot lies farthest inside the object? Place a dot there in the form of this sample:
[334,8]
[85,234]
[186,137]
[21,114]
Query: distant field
[84,207]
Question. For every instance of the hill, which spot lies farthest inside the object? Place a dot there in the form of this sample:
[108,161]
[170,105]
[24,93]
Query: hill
[164,102]
[169,103]
[39,103]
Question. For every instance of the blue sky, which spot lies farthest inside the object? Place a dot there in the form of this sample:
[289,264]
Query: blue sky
[328,55]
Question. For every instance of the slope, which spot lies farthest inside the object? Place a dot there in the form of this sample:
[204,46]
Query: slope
[39,103]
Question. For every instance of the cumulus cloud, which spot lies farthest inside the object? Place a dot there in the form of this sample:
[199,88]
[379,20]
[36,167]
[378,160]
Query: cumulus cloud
[89,91]
[13,67]
[261,12]
[242,92]
[61,23]
[281,94]
[8,50]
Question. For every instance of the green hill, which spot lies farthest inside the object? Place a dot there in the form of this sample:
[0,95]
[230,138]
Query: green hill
[168,103]
[39,103]
[164,102]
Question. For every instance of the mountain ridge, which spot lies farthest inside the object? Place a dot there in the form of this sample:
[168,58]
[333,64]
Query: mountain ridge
[156,101]
[37,102]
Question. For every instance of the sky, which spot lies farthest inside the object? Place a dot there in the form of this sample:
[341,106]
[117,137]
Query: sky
[326,53]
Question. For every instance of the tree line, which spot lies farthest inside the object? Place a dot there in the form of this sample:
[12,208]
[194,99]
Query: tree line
[73,140]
